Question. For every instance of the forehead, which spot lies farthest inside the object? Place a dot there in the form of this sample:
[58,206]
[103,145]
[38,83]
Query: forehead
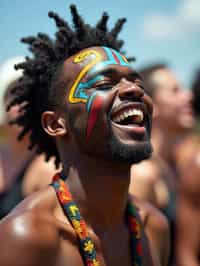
[100,53]
[164,78]
[92,60]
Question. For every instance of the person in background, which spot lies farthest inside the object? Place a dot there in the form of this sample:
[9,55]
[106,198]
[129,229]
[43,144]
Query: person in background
[96,120]
[14,156]
[16,160]
[7,76]
[156,180]
[188,211]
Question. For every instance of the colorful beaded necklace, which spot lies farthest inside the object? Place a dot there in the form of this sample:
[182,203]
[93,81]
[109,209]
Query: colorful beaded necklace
[87,247]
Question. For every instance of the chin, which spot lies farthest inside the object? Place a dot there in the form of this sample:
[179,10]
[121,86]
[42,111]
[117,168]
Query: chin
[128,153]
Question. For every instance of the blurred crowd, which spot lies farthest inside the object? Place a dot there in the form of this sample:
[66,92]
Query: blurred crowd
[21,171]
[169,180]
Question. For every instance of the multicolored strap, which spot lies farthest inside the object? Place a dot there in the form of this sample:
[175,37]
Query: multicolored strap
[87,247]
[135,231]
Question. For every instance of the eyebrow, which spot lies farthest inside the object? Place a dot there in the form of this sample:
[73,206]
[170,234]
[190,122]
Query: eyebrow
[113,71]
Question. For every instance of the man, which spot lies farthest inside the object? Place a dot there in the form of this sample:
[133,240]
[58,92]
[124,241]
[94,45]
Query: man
[156,180]
[96,120]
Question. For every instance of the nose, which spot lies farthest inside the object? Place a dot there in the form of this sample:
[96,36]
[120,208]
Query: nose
[129,90]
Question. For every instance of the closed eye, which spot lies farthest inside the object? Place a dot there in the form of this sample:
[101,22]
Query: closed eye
[104,87]
[141,87]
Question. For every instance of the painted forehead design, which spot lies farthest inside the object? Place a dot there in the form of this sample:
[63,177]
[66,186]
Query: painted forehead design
[77,94]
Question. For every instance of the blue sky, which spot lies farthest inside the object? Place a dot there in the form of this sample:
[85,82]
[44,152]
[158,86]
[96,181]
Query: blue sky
[156,30]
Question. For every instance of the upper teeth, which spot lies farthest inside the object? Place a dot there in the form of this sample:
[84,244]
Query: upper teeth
[139,116]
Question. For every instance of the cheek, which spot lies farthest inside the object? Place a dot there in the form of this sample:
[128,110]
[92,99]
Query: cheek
[94,106]
[167,103]
[166,110]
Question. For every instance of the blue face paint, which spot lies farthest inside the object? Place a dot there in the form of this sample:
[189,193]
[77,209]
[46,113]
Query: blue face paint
[79,93]
[113,58]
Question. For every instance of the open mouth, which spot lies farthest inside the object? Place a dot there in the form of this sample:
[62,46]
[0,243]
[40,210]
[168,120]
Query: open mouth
[130,118]
[129,115]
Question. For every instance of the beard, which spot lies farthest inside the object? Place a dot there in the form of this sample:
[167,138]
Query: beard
[112,149]
[128,153]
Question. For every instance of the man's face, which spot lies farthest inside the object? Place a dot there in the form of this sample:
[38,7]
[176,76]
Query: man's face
[109,114]
[174,104]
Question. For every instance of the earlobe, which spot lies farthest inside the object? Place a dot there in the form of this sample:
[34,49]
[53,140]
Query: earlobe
[53,124]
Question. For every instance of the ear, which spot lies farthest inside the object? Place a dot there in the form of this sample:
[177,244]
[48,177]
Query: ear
[53,124]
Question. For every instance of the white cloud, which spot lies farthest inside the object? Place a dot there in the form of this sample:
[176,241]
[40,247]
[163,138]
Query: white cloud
[185,20]
[190,10]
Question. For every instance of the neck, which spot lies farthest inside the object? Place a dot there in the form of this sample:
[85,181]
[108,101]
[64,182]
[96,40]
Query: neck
[99,189]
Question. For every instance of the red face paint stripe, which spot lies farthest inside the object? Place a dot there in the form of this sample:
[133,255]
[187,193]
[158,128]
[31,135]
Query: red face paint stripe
[115,57]
[95,108]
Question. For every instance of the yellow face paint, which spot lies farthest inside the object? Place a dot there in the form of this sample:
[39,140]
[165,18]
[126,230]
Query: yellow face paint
[78,59]
[124,58]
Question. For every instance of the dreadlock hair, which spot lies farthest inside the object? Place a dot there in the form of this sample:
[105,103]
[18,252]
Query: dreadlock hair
[196,93]
[39,87]
[146,74]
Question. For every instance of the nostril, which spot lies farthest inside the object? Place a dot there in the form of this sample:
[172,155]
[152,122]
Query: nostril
[131,92]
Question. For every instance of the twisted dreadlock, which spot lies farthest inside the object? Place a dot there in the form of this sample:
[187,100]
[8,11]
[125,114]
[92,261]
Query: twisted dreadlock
[35,89]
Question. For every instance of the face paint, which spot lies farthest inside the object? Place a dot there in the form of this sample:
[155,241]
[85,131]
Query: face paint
[85,85]
[95,101]
[77,94]
[93,114]
[113,58]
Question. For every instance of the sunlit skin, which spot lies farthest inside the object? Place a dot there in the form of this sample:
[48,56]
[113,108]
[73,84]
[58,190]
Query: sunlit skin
[97,179]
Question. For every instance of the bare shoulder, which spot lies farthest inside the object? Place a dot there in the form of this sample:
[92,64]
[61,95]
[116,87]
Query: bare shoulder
[31,230]
[190,175]
[156,228]
[29,234]
[144,177]
[148,170]
[151,215]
